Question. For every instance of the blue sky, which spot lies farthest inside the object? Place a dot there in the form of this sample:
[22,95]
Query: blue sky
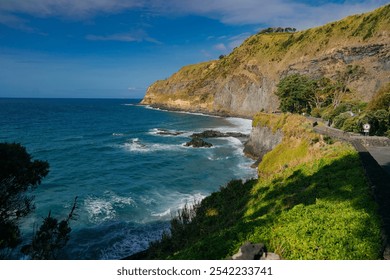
[117,48]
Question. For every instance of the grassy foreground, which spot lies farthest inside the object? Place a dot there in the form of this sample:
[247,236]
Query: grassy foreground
[311,201]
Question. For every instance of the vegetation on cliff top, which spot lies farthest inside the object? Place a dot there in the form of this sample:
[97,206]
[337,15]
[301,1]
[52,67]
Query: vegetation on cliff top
[271,55]
[311,201]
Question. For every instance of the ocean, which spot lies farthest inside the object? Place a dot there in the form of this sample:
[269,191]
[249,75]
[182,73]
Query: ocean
[128,177]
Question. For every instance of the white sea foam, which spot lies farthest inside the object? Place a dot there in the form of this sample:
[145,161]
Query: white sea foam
[242,125]
[132,241]
[101,209]
[212,158]
[117,134]
[119,201]
[147,200]
[135,145]
[179,201]
[236,144]
[166,213]
[166,132]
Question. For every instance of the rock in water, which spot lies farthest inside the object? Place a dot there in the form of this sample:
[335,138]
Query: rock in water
[217,134]
[197,142]
[169,132]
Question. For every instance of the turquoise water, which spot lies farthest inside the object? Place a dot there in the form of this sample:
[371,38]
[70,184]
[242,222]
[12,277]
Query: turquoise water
[129,179]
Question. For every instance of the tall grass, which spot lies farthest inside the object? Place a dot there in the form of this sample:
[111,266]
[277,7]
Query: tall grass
[311,201]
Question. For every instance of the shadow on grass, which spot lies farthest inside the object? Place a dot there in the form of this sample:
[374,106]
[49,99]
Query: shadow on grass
[315,210]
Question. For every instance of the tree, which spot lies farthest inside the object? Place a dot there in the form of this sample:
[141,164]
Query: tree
[18,175]
[295,92]
[381,100]
[323,90]
[350,74]
[51,237]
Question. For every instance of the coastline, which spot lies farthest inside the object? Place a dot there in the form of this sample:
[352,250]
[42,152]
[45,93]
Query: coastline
[166,108]
[143,255]
[247,150]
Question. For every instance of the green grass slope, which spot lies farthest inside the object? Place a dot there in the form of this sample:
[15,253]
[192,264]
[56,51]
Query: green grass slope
[311,201]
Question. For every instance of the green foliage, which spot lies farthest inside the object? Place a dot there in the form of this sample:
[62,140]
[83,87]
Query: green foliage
[381,100]
[277,30]
[340,119]
[316,206]
[18,176]
[371,22]
[376,113]
[294,92]
[194,223]
[379,121]
[51,237]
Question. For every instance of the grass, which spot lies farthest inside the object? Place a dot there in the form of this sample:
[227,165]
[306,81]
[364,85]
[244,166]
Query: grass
[276,52]
[311,201]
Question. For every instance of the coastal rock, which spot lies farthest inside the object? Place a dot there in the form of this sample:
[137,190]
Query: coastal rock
[168,132]
[257,251]
[218,134]
[270,256]
[243,82]
[261,141]
[250,251]
[197,142]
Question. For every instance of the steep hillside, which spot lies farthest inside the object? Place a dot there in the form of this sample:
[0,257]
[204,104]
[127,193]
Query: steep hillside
[310,201]
[243,82]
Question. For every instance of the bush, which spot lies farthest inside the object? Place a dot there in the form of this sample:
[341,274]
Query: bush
[317,112]
[352,125]
[339,120]
[19,175]
[381,100]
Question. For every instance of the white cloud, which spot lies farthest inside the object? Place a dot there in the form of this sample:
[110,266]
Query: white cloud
[68,8]
[220,47]
[273,13]
[136,36]
[263,12]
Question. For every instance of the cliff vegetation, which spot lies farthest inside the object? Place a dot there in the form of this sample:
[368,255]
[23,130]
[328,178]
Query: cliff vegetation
[243,82]
[311,201]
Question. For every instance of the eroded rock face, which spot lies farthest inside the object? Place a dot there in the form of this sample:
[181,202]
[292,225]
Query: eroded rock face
[243,82]
[261,141]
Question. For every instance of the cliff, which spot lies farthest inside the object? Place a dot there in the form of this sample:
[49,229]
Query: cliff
[310,201]
[243,82]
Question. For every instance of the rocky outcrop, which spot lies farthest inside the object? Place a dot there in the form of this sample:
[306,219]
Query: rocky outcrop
[197,142]
[218,134]
[243,82]
[261,141]
[251,251]
[168,132]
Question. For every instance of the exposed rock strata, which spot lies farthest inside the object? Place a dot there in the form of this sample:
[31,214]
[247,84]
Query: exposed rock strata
[261,141]
[243,83]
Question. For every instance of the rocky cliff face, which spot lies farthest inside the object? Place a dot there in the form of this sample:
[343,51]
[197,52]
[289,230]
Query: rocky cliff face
[262,140]
[243,82]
